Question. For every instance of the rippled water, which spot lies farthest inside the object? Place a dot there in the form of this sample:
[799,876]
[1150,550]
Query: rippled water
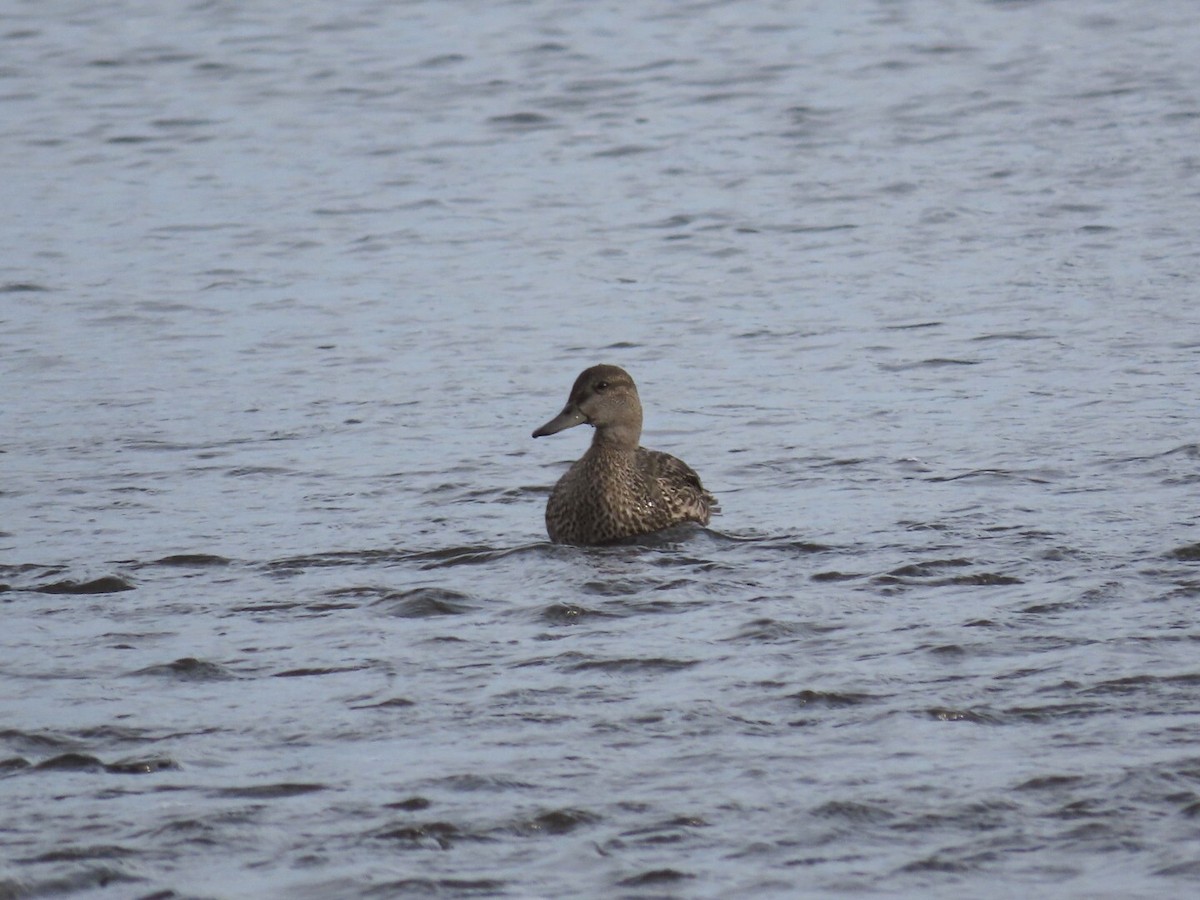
[287,286]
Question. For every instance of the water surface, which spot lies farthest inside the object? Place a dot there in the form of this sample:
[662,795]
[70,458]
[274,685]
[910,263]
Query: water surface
[285,290]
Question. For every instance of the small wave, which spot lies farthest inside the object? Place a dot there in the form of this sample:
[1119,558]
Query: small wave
[1188,552]
[569,613]
[1000,475]
[438,887]
[107,584]
[850,811]
[522,121]
[831,699]
[390,703]
[188,669]
[660,664]
[655,876]
[441,835]
[423,602]
[269,791]
[308,672]
[83,762]
[190,560]
[948,714]
[555,821]
[934,363]
[931,574]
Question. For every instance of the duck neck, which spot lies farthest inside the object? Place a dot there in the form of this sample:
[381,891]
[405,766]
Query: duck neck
[621,437]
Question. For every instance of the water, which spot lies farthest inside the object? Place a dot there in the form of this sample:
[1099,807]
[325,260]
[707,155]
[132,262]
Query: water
[287,286]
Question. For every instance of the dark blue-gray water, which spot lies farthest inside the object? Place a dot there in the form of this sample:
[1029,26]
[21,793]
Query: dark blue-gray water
[285,287]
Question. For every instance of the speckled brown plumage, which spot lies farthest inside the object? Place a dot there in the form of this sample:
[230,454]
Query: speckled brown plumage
[618,489]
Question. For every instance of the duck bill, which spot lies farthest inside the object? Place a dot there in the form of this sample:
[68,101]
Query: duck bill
[568,418]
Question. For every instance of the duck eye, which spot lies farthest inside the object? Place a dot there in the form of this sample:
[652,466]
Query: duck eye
[602,385]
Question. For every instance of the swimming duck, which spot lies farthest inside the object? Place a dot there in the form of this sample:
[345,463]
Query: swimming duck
[618,489]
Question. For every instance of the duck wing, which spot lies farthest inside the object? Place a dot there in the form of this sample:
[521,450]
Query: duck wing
[679,486]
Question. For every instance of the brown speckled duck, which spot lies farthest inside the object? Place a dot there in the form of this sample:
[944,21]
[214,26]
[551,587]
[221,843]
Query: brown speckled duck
[618,489]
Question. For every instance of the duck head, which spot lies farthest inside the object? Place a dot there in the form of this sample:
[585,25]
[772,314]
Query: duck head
[606,398]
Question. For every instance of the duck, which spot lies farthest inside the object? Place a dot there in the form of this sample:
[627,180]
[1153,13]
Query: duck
[618,489]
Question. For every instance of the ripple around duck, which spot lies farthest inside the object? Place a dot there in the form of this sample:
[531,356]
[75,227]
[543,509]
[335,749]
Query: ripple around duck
[448,557]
